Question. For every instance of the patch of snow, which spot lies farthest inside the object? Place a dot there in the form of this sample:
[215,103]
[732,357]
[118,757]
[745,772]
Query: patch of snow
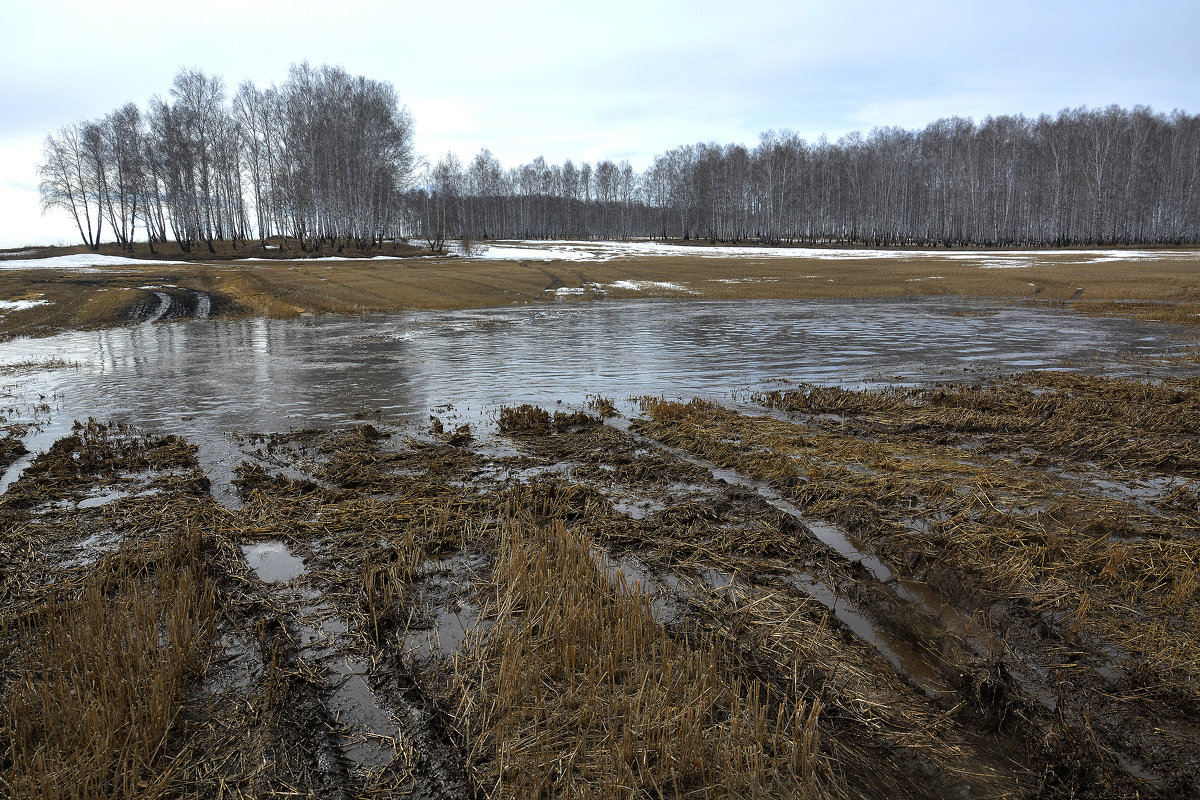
[79,262]
[1101,256]
[1011,263]
[537,250]
[564,291]
[21,305]
[84,262]
[317,258]
[540,251]
[639,286]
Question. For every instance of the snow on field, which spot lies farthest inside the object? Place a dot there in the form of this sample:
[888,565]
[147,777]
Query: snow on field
[535,250]
[634,286]
[540,251]
[347,258]
[21,305]
[86,262]
[640,286]
[78,262]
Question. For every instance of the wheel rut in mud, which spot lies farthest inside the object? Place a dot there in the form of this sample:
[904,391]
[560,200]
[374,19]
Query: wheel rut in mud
[168,303]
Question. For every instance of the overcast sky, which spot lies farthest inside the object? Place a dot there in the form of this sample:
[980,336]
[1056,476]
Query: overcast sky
[589,81]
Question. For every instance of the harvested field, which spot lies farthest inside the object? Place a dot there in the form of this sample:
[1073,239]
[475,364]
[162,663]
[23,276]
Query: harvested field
[892,587]
[905,593]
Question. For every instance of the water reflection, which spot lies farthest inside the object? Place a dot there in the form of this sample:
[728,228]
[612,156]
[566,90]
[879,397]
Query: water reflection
[205,378]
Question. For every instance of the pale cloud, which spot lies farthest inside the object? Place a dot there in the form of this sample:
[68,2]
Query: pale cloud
[21,220]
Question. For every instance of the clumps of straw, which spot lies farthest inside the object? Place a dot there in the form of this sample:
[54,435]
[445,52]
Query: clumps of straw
[528,418]
[107,450]
[11,447]
[1001,497]
[603,406]
[101,677]
[388,575]
[576,687]
[524,417]
[550,499]
[1113,421]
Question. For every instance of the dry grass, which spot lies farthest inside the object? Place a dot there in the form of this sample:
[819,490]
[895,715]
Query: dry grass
[102,676]
[386,542]
[1162,289]
[98,451]
[726,675]
[101,653]
[533,419]
[577,691]
[921,475]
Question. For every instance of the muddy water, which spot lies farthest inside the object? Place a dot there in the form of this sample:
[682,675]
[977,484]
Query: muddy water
[902,656]
[204,379]
[368,728]
[272,561]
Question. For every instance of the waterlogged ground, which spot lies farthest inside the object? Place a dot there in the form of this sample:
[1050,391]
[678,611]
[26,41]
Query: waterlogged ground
[206,380]
[837,580]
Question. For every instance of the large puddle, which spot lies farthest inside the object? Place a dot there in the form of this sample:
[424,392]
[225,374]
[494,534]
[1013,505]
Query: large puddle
[204,379]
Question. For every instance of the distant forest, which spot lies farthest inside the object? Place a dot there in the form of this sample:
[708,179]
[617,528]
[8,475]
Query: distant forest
[327,160]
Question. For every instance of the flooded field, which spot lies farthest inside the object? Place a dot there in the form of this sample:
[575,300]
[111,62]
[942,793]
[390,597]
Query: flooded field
[208,380]
[924,548]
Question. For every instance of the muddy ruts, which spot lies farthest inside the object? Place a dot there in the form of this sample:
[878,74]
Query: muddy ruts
[168,303]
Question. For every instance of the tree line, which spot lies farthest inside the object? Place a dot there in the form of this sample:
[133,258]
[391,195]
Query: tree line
[1085,176]
[327,158]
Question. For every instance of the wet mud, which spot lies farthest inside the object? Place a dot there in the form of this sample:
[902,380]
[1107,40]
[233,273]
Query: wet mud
[166,303]
[897,593]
